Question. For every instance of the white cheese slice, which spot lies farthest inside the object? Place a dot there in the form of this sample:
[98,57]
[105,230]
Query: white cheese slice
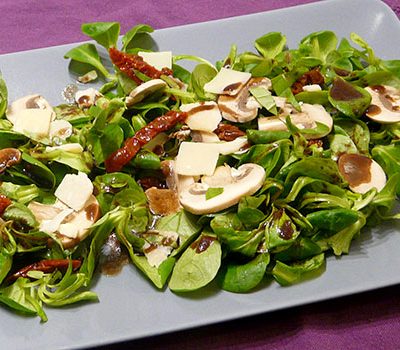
[227,82]
[196,158]
[157,255]
[158,60]
[74,190]
[312,87]
[33,122]
[204,116]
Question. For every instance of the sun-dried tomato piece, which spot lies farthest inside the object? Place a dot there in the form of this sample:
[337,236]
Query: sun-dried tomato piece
[4,203]
[123,155]
[128,63]
[46,266]
[313,76]
[227,132]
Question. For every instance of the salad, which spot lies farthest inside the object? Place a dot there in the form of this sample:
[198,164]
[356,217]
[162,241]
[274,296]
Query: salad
[256,167]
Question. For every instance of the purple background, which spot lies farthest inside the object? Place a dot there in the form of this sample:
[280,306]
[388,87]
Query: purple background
[364,321]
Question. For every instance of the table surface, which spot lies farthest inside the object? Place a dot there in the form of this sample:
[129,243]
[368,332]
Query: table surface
[369,320]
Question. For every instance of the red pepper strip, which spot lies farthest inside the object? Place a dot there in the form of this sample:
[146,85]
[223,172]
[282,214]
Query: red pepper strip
[122,156]
[4,203]
[128,62]
[46,266]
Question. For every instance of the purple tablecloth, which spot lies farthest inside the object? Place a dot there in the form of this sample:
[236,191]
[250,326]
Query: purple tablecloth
[364,321]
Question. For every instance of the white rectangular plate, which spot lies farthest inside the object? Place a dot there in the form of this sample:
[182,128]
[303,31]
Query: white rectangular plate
[129,306]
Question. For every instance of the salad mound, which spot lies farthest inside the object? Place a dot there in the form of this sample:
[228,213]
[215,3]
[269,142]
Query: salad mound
[259,166]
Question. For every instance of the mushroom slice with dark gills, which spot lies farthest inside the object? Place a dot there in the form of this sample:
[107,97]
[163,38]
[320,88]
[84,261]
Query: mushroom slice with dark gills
[87,98]
[242,107]
[73,213]
[385,104]
[144,90]
[231,184]
[362,173]
[310,115]
[68,225]
[175,181]
[31,116]
[35,101]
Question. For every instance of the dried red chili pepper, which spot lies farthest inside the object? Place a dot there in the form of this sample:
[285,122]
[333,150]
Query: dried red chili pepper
[313,76]
[226,132]
[46,266]
[4,203]
[123,155]
[127,63]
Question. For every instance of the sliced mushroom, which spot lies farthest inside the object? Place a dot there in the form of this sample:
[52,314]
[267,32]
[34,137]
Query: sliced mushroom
[8,158]
[68,225]
[61,129]
[204,136]
[224,147]
[31,116]
[27,102]
[87,98]
[306,119]
[385,104]
[88,77]
[227,82]
[174,181]
[362,173]
[229,147]
[222,176]
[182,134]
[300,120]
[242,107]
[146,89]
[245,180]
[46,212]
[204,116]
